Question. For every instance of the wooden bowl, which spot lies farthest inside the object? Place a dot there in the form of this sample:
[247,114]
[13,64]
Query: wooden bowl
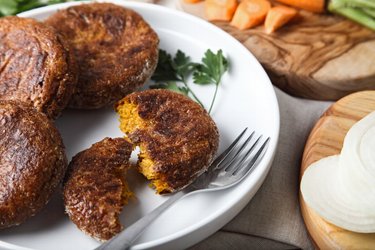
[326,138]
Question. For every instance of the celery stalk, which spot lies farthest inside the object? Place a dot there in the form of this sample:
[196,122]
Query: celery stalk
[360,11]
[369,11]
[355,3]
[357,15]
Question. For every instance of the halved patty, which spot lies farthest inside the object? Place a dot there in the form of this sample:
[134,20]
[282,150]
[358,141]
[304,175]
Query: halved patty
[176,136]
[116,50]
[32,162]
[95,189]
[36,65]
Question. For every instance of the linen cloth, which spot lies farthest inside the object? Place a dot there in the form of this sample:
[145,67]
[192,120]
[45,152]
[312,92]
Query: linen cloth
[272,219]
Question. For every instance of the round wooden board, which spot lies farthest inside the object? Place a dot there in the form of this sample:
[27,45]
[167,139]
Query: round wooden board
[326,138]
[322,57]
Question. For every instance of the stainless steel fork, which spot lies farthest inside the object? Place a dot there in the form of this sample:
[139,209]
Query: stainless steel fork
[228,169]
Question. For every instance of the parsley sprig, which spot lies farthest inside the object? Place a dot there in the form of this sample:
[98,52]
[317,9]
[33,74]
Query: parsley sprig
[170,70]
[210,71]
[173,72]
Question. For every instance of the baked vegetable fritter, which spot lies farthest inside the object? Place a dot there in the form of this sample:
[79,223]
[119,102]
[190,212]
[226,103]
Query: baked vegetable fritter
[116,50]
[176,136]
[32,162]
[36,65]
[95,189]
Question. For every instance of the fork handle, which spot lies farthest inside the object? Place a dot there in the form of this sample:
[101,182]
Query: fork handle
[125,239]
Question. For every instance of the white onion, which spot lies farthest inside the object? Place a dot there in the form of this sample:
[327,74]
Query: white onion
[341,188]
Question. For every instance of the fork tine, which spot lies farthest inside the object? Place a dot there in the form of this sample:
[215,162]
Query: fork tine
[233,166]
[254,159]
[226,152]
[230,159]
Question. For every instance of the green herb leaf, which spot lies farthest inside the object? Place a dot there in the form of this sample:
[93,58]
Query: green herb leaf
[212,68]
[182,65]
[180,59]
[12,7]
[210,71]
[25,5]
[172,69]
[201,77]
[8,7]
[165,71]
[172,72]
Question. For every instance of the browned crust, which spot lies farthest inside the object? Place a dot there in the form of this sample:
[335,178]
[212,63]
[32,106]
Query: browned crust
[36,65]
[181,138]
[93,191]
[116,49]
[32,162]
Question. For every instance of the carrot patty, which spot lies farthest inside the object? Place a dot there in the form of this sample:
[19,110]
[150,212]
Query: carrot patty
[116,50]
[95,189]
[176,136]
[32,162]
[36,65]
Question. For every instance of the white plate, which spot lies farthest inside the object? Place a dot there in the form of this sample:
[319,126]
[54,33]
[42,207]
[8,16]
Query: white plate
[246,99]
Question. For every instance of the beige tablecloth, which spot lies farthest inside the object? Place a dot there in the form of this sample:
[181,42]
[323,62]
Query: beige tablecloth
[272,219]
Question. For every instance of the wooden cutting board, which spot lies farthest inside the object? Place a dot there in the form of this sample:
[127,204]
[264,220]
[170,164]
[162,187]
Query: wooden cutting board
[321,57]
[326,139]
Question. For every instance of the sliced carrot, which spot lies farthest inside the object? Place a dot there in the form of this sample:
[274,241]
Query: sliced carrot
[277,17]
[311,5]
[220,10]
[250,13]
[192,1]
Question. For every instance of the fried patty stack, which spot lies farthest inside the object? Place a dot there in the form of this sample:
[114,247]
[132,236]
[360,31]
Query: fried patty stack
[112,51]
[36,65]
[38,74]
[176,136]
[116,50]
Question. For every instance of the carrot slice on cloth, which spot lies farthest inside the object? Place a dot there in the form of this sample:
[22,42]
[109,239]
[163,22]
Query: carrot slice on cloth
[220,10]
[250,13]
[310,5]
[277,17]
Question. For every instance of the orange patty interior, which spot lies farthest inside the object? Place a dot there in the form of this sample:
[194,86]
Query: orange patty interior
[129,122]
